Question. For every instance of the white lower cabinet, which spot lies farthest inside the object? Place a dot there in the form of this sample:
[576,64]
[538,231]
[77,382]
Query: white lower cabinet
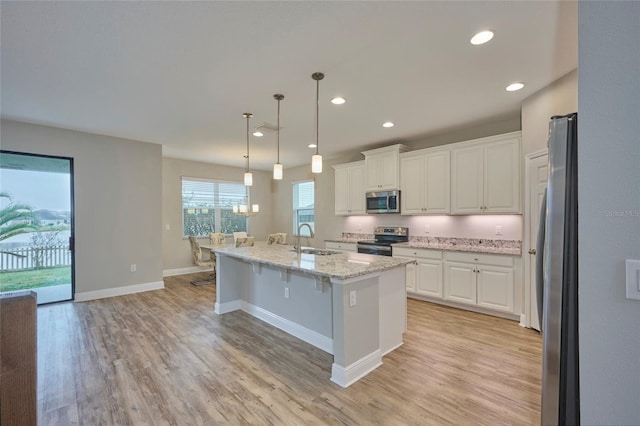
[340,246]
[485,280]
[425,277]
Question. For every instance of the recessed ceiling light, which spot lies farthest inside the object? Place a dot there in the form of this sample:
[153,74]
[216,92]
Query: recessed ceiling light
[258,134]
[514,86]
[482,37]
[338,100]
[312,145]
[387,124]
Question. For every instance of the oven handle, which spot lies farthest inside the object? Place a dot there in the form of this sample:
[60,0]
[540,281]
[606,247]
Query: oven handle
[371,247]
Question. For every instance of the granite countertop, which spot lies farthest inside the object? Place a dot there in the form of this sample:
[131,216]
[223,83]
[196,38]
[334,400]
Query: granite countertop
[340,265]
[508,247]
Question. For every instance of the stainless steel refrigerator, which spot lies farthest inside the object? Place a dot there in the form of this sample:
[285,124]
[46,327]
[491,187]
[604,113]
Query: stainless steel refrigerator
[557,277]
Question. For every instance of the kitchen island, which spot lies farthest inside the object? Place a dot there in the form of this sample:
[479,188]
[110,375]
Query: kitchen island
[348,304]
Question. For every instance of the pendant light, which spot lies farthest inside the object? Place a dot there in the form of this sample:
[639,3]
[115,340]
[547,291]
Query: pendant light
[277,167]
[316,160]
[248,176]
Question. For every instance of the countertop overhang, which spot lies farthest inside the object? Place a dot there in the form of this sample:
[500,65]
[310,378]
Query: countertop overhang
[339,266]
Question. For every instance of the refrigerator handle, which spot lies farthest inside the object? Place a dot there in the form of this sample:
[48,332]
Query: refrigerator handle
[540,257]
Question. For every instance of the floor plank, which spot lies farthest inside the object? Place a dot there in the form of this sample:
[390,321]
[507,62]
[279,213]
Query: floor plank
[164,357]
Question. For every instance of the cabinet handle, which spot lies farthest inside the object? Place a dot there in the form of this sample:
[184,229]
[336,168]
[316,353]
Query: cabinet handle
[532,251]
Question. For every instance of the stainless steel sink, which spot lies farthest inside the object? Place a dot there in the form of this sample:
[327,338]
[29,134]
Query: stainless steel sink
[319,252]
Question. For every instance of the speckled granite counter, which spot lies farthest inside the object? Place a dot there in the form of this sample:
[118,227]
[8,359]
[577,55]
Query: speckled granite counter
[338,266]
[509,247]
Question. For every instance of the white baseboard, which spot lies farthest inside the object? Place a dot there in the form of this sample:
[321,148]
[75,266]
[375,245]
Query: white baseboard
[118,291]
[346,376]
[223,308]
[182,271]
[523,321]
[314,338]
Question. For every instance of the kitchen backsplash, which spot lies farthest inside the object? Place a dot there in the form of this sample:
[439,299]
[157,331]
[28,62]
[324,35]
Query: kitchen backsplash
[480,227]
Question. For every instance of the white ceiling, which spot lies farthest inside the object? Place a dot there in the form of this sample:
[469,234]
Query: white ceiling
[182,73]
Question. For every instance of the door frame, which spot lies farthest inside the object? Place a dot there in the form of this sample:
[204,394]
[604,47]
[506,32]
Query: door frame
[529,239]
[73,212]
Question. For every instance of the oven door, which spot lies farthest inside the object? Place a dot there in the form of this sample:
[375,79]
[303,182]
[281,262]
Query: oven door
[374,249]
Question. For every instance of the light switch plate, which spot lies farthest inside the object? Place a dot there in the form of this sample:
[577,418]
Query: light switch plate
[633,279]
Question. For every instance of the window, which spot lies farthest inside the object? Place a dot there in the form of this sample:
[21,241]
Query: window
[207,207]
[303,207]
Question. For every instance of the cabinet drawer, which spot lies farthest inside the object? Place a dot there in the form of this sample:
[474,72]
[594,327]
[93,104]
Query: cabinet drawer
[333,245]
[486,259]
[418,253]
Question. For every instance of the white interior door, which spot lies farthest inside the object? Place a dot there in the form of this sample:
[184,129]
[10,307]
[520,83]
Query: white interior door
[537,175]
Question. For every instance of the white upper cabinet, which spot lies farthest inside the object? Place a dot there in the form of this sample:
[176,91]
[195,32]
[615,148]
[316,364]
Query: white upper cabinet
[485,176]
[349,189]
[425,182]
[383,168]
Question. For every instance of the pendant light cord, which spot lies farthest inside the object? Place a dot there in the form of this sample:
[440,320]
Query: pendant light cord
[247,115]
[278,134]
[317,116]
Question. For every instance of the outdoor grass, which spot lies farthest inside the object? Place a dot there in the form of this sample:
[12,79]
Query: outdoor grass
[23,280]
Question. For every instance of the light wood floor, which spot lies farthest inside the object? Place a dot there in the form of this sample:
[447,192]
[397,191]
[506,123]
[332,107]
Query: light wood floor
[164,357]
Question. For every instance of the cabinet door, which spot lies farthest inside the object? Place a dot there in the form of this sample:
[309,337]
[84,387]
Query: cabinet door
[374,171]
[389,175]
[357,204]
[411,184]
[382,171]
[495,287]
[342,191]
[467,180]
[460,282]
[437,183]
[502,177]
[411,278]
[429,278]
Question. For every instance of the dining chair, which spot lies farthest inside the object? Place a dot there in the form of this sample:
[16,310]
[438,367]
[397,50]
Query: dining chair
[200,260]
[217,238]
[237,235]
[244,242]
[277,238]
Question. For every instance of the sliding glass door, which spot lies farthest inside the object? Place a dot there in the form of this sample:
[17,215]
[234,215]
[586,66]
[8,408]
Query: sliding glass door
[36,226]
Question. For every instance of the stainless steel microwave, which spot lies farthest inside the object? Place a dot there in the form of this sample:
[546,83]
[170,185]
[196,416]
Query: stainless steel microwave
[383,202]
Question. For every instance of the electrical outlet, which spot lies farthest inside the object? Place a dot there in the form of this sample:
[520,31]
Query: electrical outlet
[133,267]
[359,227]
[498,229]
[286,292]
[352,298]
[427,229]
[167,227]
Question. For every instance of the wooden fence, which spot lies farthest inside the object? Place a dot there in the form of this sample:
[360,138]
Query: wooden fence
[34,258]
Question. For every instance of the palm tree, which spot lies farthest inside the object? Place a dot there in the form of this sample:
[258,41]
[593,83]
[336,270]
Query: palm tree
[15,219]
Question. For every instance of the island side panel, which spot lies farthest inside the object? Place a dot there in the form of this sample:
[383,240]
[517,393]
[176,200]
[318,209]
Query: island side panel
[356,329]
[393,308]
[232,278]
[307,308]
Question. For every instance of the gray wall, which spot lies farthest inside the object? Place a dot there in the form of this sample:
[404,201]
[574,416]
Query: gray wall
[609,182]
[176,252]
[117,194]
[559,98]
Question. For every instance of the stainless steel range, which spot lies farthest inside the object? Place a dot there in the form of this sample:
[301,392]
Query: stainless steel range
[384,237]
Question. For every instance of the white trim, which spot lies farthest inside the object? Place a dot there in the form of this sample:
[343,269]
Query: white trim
[223,308]
[346,376]
[527,240]
[523,321]
[394,347]
[118,291]
[182,271]
[312,337]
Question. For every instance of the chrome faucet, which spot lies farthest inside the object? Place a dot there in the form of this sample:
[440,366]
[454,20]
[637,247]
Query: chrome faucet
[312,234]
